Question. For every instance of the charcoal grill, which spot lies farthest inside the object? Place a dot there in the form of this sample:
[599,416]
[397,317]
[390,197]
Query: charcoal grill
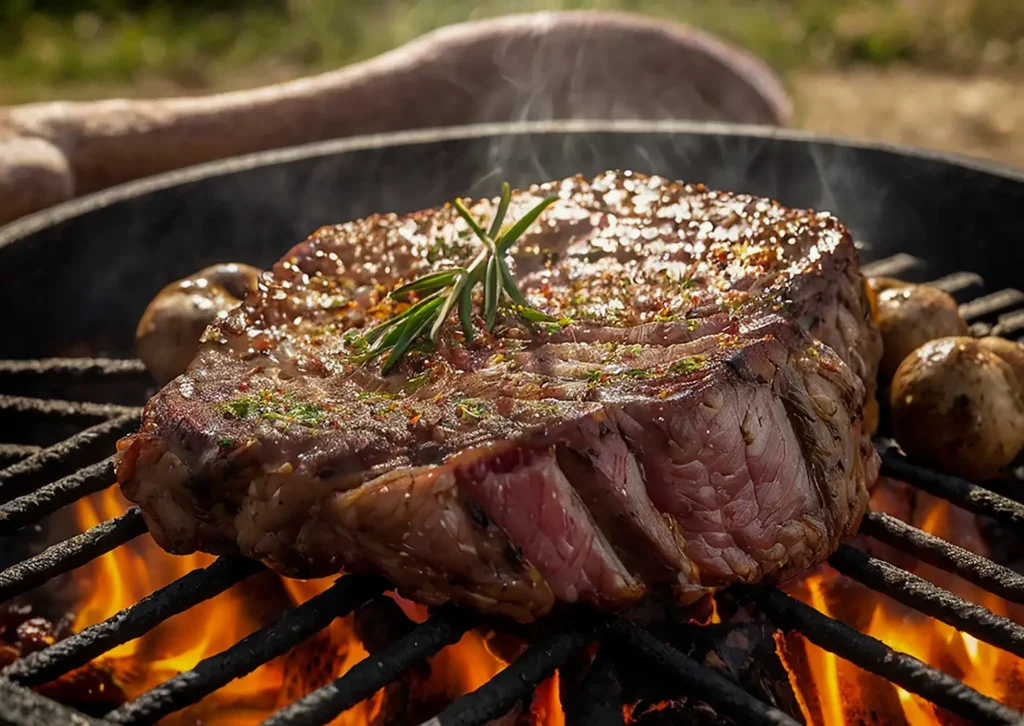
[74,280]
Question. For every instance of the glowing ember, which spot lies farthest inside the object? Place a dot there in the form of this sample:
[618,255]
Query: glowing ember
[129,573]
[833,692]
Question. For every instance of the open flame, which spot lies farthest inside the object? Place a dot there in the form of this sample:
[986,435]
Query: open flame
[834,692]
[124,576]
[829,690]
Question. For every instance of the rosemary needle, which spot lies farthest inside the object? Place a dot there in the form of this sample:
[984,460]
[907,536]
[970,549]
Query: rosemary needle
[442,291]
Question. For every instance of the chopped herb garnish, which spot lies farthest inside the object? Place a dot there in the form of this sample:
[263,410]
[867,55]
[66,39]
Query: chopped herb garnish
[553,326]
[472,409]
[416,382]
[271,406]
[442,249]
[687,365]
[692,364]
[443,291]
[354,340]
[545,408]
[375,396]
[226,443]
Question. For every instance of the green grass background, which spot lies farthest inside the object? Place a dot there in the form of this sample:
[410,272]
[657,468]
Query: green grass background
[81,48]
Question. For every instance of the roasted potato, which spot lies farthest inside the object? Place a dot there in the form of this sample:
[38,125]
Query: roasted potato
[958,406]
[909,316]
[168,334]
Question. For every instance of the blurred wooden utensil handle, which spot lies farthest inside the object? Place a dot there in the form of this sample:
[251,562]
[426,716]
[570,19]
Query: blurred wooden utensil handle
[537,66]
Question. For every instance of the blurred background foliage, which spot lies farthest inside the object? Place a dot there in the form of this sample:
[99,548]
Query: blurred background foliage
[80,48]
[947,74]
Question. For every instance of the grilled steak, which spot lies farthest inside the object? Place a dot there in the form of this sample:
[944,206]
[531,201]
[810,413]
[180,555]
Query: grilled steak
[694,420]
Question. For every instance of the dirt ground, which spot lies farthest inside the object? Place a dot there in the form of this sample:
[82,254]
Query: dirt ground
[976,115]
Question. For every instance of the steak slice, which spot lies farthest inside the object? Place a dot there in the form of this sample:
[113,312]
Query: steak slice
[694,420]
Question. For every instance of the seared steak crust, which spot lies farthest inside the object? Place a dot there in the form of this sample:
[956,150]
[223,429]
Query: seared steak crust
[695,419]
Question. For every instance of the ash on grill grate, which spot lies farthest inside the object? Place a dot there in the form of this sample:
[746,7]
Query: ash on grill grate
[13,453]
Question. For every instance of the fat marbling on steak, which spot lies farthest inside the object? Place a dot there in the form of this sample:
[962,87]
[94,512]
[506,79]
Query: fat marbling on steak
[694,419]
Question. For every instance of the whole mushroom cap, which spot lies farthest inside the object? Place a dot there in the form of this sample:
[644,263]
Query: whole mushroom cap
[1012,354]
[167,336]
[959,407]
[909,316]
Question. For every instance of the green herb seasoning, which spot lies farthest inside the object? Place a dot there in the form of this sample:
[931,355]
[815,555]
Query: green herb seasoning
[686,366]
[415,383]
[472,409]
[545,408]
[273,406]
[639,374]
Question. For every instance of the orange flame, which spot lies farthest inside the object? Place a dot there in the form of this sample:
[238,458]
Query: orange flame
[124,576]
[834,692]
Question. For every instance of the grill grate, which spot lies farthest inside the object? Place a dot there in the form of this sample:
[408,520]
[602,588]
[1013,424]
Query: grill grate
[372,674]
[41,476]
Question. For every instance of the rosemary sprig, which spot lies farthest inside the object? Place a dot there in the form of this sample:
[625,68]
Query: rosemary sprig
[442,291]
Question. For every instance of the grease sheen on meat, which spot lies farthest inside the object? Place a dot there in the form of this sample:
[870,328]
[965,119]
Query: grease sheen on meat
[699,421]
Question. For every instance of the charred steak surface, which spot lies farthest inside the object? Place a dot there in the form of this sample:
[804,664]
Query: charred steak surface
[694,419]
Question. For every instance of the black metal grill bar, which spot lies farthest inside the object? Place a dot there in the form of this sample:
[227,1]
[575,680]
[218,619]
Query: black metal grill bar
[698,680]
[376,671]
[23,407]
[498,695]
[64,457]
[930,599]
[71,553]
[84,368]
[590,692]
[981,571]
[30,508]
[1009,324]
[23,707]
[899,264]
[132,622]
[958,282]
[991,304]
[876,657]
[962,493]
[13,453]
[297,624]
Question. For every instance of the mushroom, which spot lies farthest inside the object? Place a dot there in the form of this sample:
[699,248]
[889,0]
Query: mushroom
[1011,353]
[909,316]
[959,405]
[879,285]
[168,333]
